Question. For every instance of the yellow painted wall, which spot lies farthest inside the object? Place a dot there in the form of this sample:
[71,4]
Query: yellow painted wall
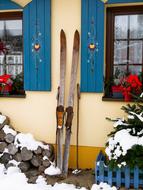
[36,113]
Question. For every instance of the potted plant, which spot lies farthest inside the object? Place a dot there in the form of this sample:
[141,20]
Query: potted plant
[131,86]
[17,87]
[5,84]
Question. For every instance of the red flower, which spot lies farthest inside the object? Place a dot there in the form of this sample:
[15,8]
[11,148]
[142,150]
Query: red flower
[131,84]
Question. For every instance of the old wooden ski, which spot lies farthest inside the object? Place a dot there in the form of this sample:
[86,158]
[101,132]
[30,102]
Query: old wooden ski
[60,102]
[69,109]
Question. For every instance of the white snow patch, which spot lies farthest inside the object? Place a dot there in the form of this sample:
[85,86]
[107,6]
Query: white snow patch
[121,143]
[140,133]
[15,180]
[52,170]
[131,117]
[8,130]
[5,151]
[140,116]
[28,141]
[141,95]
[119,122]
[2,119]
[41,180]
[45,158]
[103,186]
[14,162]
[65,186]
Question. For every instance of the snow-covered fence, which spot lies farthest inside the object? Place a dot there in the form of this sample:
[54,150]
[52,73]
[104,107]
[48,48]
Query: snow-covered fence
[124,177]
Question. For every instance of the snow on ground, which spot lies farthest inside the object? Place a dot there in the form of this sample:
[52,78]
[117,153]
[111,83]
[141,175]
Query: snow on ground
[52,170]
[27,140]
[13,179]
[103,186]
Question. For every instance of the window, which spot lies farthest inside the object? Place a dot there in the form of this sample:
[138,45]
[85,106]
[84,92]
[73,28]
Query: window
[124,48]
[11,53]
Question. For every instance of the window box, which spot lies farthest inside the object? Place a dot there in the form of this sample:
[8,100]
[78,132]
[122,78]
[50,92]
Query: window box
[117,92]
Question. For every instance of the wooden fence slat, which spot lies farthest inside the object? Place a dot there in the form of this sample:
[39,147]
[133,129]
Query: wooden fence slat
[101,171]
[136,177]
[118,178]
[110,177]
[127,177]
[96,173]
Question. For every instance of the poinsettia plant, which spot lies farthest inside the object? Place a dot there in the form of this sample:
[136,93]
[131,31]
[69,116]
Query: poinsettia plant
[131,85]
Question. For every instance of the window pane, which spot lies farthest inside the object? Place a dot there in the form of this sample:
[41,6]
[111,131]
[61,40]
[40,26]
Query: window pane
[135,52]
[135,69]
[136,26]
[1,29]
[11,40]
[14,70]
[121,27]
[120,52]
[11,51]
[1,70]
[120,71]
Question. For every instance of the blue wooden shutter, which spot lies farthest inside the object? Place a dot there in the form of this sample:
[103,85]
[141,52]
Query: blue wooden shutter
[37,28]
[92,60]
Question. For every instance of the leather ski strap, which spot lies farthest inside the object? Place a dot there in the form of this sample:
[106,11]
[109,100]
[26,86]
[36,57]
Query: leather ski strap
[60,116]
[69,111]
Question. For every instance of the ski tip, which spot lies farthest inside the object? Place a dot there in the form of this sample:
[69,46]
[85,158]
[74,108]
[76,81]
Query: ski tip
[62,31]
[76,34]
[76,40]
[63,39]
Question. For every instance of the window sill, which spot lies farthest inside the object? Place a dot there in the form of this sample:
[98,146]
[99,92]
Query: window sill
[112,99]
[12,96]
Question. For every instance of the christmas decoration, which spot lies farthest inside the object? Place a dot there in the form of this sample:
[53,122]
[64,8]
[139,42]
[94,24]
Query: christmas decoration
[93,45]
[36,44]
[130,85]
[125,143]
[5,84]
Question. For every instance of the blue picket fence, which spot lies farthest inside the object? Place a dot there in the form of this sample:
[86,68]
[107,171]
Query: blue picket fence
[124,177]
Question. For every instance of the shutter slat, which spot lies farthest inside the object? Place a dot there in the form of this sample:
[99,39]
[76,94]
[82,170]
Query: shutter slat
[32,63]
[47,49]
[84,52]
[91,71]
[100,54]
[26,31]
[41,64]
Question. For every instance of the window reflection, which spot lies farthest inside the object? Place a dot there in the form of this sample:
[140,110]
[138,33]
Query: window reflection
[11,47]
[128,43]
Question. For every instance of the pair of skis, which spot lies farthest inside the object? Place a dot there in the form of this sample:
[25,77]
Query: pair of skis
[62,161]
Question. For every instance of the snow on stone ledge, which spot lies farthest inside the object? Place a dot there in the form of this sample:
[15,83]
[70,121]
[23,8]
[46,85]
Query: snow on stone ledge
[28,141]
[2,119]
[52,170]
[8,130]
